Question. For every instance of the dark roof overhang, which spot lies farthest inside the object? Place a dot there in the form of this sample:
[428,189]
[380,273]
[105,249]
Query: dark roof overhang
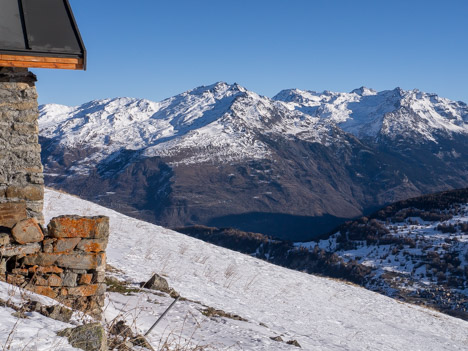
[40,33]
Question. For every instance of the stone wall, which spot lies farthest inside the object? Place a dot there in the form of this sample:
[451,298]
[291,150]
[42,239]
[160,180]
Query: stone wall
[21,177]
[66,261]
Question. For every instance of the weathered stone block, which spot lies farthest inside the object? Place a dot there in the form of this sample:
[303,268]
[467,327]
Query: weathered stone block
[35,178]
[67,260]
[21,271]
[23,106]
[92,245]
[25,116]
[69,279]
[34,169]
[35,206]
[41,259]
[54,280]
[102,288]
[157,282]
[99,277]
[66,245]
[4,239]
[11,213]
[102,262]
[79,271]
[84,290]
[42,290]
[91,337]
[27,231]
[48,245]
[19,250]
[81,227]
[85,279]
[3,267]
[28,192]
[81,260]
[26,128]
[15,279]
[58,312]
[46,269]
[40,280]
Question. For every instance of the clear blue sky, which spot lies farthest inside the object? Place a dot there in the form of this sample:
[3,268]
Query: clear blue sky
[155,49]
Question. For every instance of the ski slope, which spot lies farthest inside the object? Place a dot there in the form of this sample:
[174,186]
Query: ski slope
[321,314]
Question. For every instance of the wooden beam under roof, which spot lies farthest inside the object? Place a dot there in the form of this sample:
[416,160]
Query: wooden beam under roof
[41,62]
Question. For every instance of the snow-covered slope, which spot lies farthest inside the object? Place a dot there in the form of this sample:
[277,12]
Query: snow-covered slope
[30,330]
[319,313]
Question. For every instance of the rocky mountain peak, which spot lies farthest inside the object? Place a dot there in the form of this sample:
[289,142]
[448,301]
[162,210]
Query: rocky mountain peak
[363,91]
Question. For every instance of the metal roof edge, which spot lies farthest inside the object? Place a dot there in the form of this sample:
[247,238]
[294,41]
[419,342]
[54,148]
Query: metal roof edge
[77,32]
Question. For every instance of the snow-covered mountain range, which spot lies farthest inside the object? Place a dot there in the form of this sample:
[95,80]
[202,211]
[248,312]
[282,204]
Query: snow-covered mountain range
[393,114]
[221,154]
[225,120]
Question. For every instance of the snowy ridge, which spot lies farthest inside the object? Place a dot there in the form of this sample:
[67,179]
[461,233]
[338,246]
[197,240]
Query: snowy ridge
[393,113]
[197,117]
[319,313]
[223,122]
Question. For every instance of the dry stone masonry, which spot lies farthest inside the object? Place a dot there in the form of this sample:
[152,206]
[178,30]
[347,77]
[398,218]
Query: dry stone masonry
[21,177]
[66,260]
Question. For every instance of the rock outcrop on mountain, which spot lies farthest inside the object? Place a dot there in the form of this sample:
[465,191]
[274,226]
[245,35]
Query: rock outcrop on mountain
[292,166]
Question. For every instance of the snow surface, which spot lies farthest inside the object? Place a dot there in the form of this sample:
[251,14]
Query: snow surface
[35,332]
[320,313]
[223,122]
